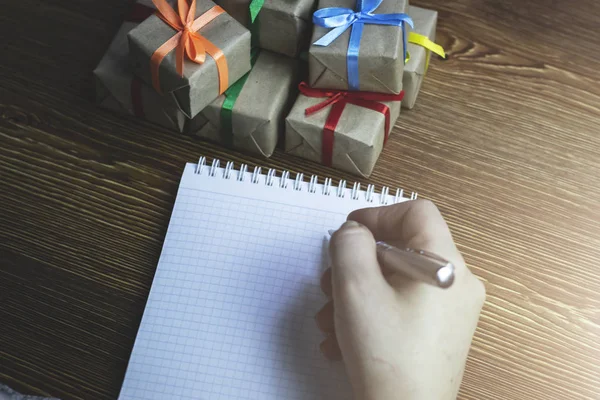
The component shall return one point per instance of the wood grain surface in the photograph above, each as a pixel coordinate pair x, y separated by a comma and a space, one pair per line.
505, 138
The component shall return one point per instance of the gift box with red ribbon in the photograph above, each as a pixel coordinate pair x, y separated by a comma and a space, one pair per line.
117, 88
194, 51
341, 129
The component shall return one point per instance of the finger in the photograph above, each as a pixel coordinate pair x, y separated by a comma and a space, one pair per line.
354, 261
416, 224
326, 283
325, 319
331, 349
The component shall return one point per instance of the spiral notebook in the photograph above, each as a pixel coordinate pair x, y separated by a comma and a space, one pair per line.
230, 314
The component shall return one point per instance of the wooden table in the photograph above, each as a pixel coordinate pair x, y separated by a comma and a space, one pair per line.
505, 139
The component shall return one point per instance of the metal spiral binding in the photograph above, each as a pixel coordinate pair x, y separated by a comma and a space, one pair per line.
327, 187
355, 191
370, 192
271, 176
312, 186
341, 192
200, 166
228, 168
256, 174
298, 182
242, 172
285, 176
213, 168
385, 191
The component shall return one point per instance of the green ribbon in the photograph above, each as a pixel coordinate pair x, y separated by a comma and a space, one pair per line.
255, 7
231, 96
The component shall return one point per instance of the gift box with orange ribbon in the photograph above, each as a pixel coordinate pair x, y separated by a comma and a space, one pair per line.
359, 45
341, 129
281, 26
250, 116
193, 51
117, 89
421, 45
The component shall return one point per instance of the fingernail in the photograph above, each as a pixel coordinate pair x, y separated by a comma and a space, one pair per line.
347, 224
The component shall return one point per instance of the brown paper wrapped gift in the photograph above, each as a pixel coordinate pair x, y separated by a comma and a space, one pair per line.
282, 26
258, 113
415, 69
117, 89
353, 142
201, 83
381, 55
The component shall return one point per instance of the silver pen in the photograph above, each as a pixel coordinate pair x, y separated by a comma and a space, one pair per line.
419, 265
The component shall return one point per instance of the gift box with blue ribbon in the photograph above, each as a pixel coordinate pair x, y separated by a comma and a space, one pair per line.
359, 45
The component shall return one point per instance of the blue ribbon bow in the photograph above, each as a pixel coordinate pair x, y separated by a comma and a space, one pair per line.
340, 19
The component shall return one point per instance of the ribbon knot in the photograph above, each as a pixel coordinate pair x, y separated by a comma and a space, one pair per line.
332, 98
340, 19
187, 40
338, 99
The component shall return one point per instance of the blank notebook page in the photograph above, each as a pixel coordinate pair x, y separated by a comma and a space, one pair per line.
231, 311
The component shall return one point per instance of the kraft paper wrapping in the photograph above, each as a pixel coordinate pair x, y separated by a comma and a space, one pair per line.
200, 84
259, 113
414, 71
284, 26
359, 135
381, 56
116, 89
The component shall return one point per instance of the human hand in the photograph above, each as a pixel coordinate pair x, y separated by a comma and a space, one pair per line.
399, 339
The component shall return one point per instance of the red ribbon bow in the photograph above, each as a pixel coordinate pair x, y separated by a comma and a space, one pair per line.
339, 99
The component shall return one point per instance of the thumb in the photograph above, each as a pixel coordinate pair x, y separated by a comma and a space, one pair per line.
354, 264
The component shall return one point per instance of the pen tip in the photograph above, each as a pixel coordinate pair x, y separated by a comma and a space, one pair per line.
445, 276
331, 232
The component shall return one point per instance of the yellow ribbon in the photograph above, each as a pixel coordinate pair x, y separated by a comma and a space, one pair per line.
428, 44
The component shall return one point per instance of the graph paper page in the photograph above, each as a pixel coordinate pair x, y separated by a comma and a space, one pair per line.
231, 311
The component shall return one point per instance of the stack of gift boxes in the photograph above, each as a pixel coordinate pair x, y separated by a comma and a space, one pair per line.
236, 72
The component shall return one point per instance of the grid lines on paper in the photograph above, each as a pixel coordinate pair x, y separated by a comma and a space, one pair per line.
230, 312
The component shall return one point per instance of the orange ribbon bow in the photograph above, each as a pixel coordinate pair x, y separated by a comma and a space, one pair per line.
187, 41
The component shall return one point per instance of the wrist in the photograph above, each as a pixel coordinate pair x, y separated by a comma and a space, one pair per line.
393, 387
